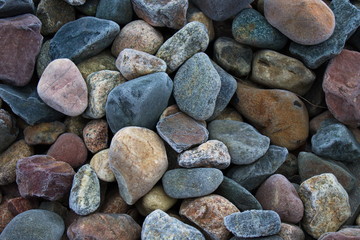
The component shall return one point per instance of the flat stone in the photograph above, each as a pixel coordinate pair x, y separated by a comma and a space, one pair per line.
100, 163
120, 12
8, 130
43, 133
291, 232
337, 236
20, 204
43, 59
194, 14
95, 135
16, 7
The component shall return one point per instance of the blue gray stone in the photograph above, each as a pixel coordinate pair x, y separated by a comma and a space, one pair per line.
347, 20
119, 11
138, 102
253, 223
83, 38
245, 143
189, 183
12, 8
89, 7
252, 175
34, 224
251, 28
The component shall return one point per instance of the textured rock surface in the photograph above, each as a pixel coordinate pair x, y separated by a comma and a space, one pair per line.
119, 11
43, 133
95, 135
20, 204
291, 232
8, 130
194, 14
16, 7
100, 163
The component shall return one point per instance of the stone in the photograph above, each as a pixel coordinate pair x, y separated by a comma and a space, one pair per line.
161, 226
171, 14
16, 7
358, 220
291, 232
104, 226
354, 195
138, 35
170, 110
337, 236
100, 163
43, 58
8, 130
342, 87
43, 176
290, 167
190, 39
19, 204
83, 38
273, 237
133, 63
69, 148
315, 99
253, 223
75, 125
189, 183
95, 135
113, 202
194, 14
21, 44
355, 37
89, 7
229, 113
35, 224
99, 86
315, 122
5, 215
277, 114
120, 12
245, 143
311, 165
181, 132
85, 191
75, 2
347, 20
251, 28
252, 175
326, 204
138, 102
278, 194
138, 160
62, 87
208, 214
275, 70
43, 133
55, 207
212, 153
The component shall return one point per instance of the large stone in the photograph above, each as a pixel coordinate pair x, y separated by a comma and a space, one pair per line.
119, 11
12, 8
8, 130
43, 133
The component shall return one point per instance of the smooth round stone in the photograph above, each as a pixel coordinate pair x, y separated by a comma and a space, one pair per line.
138, 35
8, 130
291, 232
275, 70
193, 14
100, 163
62, 87
229, 113
43, 58
95, 135
20, 204
188, 183
251, 28
133, 63
69, 148
299, 20
89, 7
120, 12
35, 224
75, 125
43, 133
16, 7
253, 223
75, 2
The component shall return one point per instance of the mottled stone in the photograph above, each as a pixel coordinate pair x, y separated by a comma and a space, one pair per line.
229, 113
75, 125
16, 7
273, 237
100, 163
119, 11
20, 204
43, 58
337, 236
291, 232
55, 207
5, 215
170, 110
89, 7
8, 130
290, 167
95, 135
43, 133
194, 14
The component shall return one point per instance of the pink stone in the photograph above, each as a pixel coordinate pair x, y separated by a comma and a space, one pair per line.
95, 135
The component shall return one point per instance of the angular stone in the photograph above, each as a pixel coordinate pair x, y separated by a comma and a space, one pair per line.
43, 133
95, 135
43, 59
20, 204
120, 12
291, 232
21, 44
16, 7
100, 163
8, 130
194, 14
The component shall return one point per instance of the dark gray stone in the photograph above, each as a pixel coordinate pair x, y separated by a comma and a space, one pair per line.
354, 195
8, 130
273, 237
138, 102
34, 225
245, 143
315, 97
83, 38
26, 103
119, 11
11, 8
347, 20
354, 40
89, 7
188, 183
252, 175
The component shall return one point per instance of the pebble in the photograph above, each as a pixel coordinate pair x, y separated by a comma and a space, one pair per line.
85, 191
105, 227
89, 7
190, 39
189, 183
83, 38
253, 223
42, 176
75, 2
95, 135
113, 202
62, 87
138, 160
326, 204
100, 163
43, 59
181, 132
159, 225
291, 232
35, 224
120, 12
194, 14
69, 148
229, 113
133, 63
19, 204
5, 215
19, 31
43, 133
290, 167
8, 130
342, 87
195, 75
75, 125
55, 207
252, 175
148, 99
16, 7
251, 28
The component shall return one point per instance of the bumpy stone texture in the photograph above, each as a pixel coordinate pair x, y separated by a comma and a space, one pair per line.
75, 125
278, 114
102, 61
253, 223
104, 226
190, 39
43, 176
138, 102
83, 38
75, 2
16, 7
21, 44
245, 143
119, 11
133, 63
43, 59
342, 87
159, 225
229, 113
194, 14
8, 130
138, 160
35, 224
95, 135
43, 133
100, 163
291, 232
326, 204
20, 204
85, 191
275, 70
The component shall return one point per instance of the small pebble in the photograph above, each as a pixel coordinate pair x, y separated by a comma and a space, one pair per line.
120, 12
113, 202
229, 113
43, 133
95, 135
8, 130
100, 163
194, 14
75, 125
291, 232
16, 7
20, 204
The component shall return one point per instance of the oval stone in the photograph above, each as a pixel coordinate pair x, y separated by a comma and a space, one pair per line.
95, 135
100, 163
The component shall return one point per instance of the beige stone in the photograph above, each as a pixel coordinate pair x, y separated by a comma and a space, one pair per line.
194, 14
100, 163
291, 232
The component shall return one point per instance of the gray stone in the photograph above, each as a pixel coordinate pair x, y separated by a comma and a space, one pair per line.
196, 87
119, 11
8, 130
273, 237
89, 7
43, 58
245, 143
354, 195
10, 8
75, 2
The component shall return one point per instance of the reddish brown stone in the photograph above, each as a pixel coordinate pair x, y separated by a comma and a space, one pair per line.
20, 204
317, 120
114, 203
337, 236
95, 135
291, 232
5, 215
8, 130
43, 133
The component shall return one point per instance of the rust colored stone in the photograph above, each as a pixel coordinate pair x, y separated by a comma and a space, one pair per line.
95, 135
114, 203
20, 204
43, 133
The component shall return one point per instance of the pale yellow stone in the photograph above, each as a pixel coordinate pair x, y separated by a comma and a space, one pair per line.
100, 163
